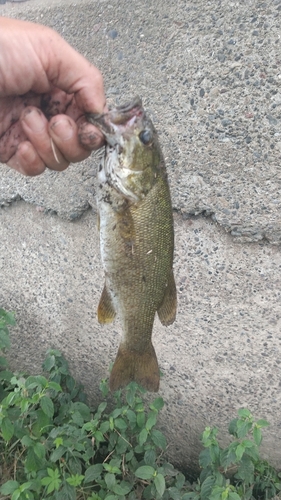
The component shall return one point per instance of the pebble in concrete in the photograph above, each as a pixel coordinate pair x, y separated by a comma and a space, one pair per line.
209, 75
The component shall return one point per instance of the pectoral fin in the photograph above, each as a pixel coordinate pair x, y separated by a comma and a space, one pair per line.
106, 311
168, 309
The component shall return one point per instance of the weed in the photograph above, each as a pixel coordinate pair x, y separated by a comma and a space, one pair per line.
53, 446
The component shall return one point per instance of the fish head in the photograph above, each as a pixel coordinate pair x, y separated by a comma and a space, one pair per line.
133, 155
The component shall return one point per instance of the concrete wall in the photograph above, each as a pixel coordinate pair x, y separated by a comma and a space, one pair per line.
209, 74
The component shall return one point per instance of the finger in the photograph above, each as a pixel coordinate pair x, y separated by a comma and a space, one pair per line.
26, 160
56, 102
10, 140
89, 136
35, 125
70, 71
64, 132
47, 60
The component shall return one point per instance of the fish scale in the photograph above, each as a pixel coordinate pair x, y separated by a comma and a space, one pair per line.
136, 241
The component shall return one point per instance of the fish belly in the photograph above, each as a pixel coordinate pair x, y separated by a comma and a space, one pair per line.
136, 243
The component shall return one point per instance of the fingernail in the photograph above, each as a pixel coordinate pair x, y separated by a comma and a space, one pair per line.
90, 137
62, 129
34, 119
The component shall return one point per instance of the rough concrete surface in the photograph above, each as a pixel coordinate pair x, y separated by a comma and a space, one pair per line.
209, 75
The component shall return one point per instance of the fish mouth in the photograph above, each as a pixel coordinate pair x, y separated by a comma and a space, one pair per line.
116, 120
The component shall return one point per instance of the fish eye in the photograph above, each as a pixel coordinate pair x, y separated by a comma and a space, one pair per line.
145, 136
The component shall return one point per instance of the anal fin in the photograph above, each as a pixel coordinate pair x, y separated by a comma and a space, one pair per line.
168, 308
106, 311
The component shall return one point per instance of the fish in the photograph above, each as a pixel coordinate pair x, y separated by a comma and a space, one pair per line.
136, 240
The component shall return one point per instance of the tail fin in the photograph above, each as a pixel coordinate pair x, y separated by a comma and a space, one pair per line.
135, 366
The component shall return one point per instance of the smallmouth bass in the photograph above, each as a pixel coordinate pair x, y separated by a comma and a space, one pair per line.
136, 240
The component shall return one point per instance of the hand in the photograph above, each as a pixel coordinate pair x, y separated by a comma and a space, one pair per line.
46, 87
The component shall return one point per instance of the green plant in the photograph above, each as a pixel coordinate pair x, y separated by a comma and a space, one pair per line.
237, 471
53, 446
61, 450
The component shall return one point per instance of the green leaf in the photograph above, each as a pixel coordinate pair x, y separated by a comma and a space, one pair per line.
67, 492
233, 496
160, 485
206, 487
247, 443
57, 453
41, 425
16, 495
7, 429
158, 439
39, 449
151, 421
192, 495
143, 437
145, 472
205, 458
47, 406
53, 480
93, 472
130, 455
75, 480
104, 427
244, 412
130, 393
232, 428
180, 480
243, 428
77, 418
122, 489
54, 386
246, 470
262, 423
116, 412
8, 317
58, 441
253, 453
4, 339
5, 374
49, 363
3, 360
98, 436
138, 449
120, 424
25, 486
131, 416
110, 480
102, 407
111, 468
83, 409
32, 463
227, 457
157, 404
141, 419
121, 446
70, 383
174, 493
9, 487
9, 400
240, 451
150, 457
35, 381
